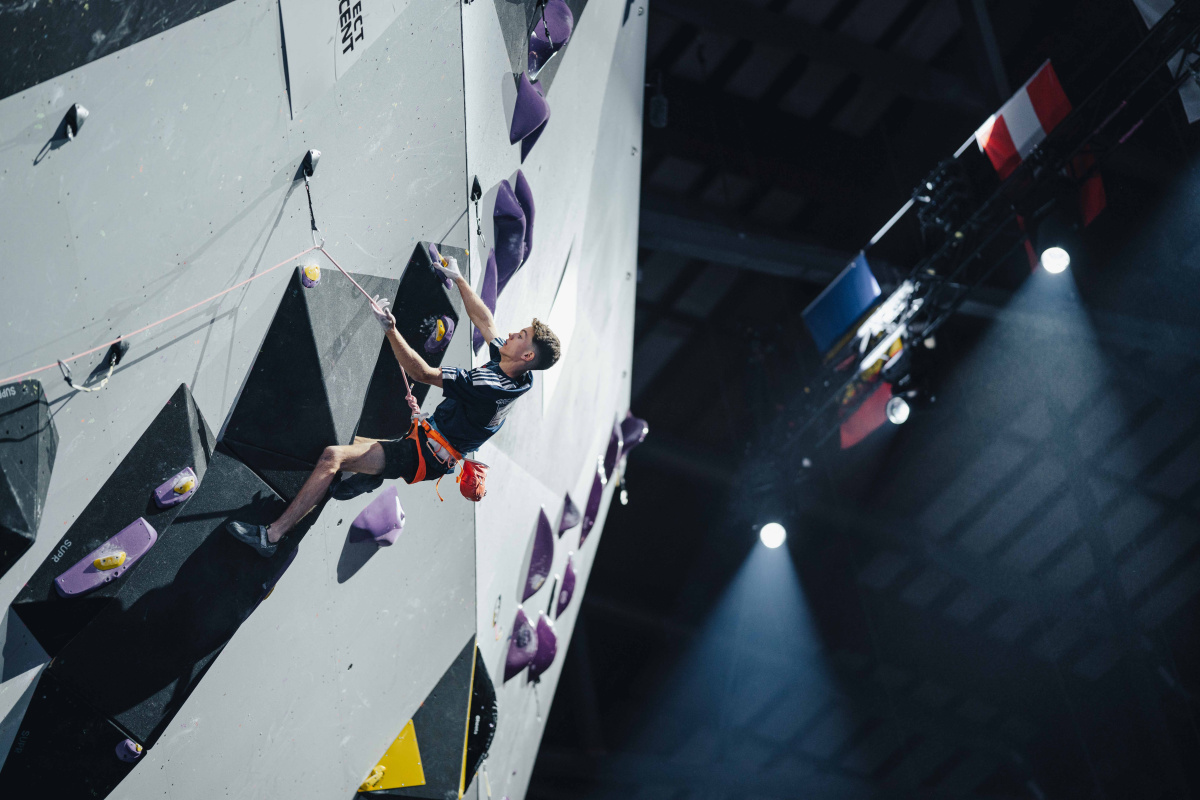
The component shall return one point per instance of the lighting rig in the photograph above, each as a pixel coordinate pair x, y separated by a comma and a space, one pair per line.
971, 233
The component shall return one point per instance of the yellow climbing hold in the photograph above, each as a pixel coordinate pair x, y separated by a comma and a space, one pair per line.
400, 765
372, 781
441, 330
185, 485
110, 561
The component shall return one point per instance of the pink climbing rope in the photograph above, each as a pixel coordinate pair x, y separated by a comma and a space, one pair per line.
412, 401
168, 318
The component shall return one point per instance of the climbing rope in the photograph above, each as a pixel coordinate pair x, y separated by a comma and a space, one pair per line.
412, 401
316, 231
64, 361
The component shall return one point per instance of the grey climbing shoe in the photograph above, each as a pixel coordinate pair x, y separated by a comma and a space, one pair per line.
355, 484
253, 535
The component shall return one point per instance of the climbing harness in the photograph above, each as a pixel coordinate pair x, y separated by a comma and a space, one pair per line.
471, 478
442, 450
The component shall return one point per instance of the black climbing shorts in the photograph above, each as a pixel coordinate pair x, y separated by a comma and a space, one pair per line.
400, 459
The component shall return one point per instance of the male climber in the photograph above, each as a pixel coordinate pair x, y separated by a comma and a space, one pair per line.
475, 405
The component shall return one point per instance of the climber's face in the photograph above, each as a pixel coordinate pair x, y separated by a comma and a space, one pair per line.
519, 346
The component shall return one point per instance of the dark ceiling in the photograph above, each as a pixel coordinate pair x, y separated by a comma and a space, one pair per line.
998, 599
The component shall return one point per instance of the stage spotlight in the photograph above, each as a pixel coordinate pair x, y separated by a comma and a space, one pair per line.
772, 534
898, 410
1055, 259
1057, 234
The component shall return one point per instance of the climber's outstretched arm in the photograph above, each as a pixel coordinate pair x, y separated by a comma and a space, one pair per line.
408, 359
480, 316
412, 363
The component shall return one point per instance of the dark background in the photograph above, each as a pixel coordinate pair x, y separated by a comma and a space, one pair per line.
995, 600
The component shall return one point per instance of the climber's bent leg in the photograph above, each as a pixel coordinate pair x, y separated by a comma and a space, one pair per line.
364, 457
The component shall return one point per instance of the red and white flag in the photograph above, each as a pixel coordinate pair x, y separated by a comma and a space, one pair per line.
1021, 124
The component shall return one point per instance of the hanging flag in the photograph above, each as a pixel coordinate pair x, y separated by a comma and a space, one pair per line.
869, 417
842, 303
1021, 124
1152, 11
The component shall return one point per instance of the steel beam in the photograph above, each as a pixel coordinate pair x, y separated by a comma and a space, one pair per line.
903, 75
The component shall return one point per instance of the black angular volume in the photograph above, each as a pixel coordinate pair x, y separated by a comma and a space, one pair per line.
144, 654
178, 437
28, 444
440, 726
421, 299
482, 721
305, 390
63, 748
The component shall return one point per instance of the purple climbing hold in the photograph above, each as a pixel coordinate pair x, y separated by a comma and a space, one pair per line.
566, 590
525, 197
549, 35
382, 520
547, 648
440, 336
109, 561
633, 432
592, 510
530, 116
129, 751
436, 259
570, 515
508, 225
541, 557
613, 454
487, 293
176, 489
522, 646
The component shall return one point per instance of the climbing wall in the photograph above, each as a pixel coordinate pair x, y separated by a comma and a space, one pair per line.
584, 177
293, 676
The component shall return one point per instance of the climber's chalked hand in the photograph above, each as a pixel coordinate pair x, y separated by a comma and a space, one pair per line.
379, 307
450, 270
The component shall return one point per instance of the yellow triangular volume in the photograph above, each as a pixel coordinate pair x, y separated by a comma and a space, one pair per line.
401, 763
